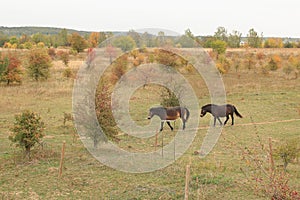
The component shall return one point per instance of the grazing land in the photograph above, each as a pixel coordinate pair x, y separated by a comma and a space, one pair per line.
269, 101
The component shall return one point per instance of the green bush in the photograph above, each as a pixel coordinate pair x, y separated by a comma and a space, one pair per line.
68, 73
168, 98
288, 151
272, 65
27, 130
219, 46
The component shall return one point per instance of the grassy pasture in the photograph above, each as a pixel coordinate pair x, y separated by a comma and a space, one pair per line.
270, 104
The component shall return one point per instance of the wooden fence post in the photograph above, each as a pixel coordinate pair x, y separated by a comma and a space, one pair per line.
62, 159
187, 181
271, 169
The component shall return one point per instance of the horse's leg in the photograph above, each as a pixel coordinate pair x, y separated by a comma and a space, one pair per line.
219, 121
227, 118
170, 125
232, 119
161, 125
183, 123
215, 118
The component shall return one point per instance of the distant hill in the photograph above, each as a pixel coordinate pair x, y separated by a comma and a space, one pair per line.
30, 30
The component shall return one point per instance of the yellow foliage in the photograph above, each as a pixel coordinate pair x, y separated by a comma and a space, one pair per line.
41, 45
277, 59
294, 61
220, 67
273, 43
94, 39
7, 45
136, 62
14, 46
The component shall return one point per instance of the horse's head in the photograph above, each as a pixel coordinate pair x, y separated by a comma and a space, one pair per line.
203, 112
150, 115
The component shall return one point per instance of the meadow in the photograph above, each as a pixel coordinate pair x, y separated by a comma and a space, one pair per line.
269, 102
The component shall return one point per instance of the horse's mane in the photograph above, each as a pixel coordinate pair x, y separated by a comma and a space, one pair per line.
207, 105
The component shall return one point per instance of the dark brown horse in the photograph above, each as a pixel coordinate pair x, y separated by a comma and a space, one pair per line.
220, 111
170, 114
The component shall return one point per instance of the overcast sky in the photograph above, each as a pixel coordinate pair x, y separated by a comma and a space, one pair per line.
270, 17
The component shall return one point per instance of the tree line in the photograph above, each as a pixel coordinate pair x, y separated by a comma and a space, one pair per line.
75, 40
78, 41
42, 48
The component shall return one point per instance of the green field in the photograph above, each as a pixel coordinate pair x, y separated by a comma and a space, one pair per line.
269, 103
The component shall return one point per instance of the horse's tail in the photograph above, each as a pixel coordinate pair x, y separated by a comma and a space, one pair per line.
186, 114
236, 112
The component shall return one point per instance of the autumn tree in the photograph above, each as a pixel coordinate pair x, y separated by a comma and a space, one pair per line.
94, 39
103, 36
14, 41
273, 43
104, 113
253, 39
25, 42
78, 43
119, 67
10, 69
24, 38
274, 62
64, 56
38, 64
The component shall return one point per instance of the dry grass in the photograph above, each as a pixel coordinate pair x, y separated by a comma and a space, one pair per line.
259, 98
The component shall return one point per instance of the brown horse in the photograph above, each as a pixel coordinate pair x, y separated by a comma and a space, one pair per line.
220, 111
170, 114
